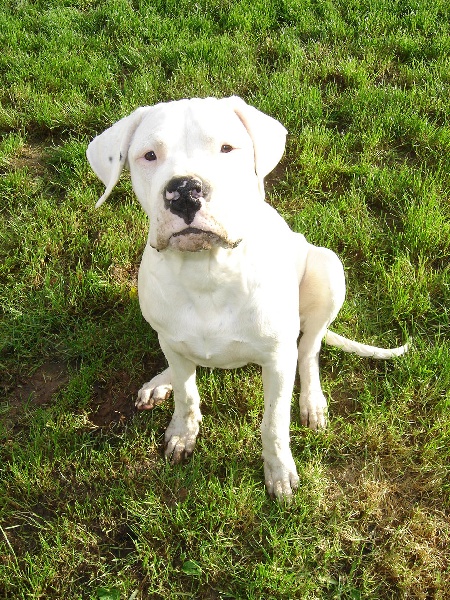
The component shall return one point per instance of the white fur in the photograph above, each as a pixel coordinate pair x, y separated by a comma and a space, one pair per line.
239, 287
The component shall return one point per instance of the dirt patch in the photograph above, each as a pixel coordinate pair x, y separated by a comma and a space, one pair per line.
30, 157
113, 401
37, 390
41, 386
126, 276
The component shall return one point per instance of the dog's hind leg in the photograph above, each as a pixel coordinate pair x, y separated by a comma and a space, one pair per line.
155, 391
322, 292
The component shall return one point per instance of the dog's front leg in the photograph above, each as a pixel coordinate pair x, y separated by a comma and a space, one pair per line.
183, 429
279, 467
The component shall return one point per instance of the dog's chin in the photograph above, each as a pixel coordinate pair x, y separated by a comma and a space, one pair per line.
193, 239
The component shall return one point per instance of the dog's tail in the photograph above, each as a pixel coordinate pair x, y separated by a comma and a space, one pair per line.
333, 339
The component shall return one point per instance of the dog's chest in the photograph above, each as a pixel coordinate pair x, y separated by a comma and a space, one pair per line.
215, 314
212, 332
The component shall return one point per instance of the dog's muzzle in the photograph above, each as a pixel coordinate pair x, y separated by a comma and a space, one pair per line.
183, 195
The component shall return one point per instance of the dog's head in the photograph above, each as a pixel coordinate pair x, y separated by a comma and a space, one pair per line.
197, 167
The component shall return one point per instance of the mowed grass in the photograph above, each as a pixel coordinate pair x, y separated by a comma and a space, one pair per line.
88, 506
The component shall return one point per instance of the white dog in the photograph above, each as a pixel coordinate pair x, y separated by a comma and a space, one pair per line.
223, 280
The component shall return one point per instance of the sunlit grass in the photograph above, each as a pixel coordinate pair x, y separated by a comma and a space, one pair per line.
89, 509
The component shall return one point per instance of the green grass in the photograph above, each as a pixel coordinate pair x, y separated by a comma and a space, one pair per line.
88, 507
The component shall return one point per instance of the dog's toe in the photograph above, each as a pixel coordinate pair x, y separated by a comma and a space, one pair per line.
281, 481
313, 411
315, 420
179, 448
154, 392
180, 439
144, 400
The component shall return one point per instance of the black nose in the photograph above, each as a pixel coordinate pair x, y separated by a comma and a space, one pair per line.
182, 197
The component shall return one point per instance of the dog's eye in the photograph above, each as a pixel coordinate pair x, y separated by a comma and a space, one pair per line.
150, 155
226, 148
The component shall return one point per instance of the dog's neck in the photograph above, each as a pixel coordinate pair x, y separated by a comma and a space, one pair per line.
206, 268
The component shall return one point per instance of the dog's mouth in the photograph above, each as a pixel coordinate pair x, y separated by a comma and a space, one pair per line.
193, 239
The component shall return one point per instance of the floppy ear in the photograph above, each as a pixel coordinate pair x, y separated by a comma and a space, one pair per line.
107, 153
268, 135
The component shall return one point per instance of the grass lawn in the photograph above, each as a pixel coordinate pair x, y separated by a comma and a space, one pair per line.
88, 507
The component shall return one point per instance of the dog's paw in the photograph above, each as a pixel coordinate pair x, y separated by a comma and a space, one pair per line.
313, 410
154, 392
281, 478
180, 439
